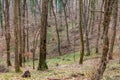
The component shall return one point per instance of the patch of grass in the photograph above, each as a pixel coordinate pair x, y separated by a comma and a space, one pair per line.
52, 72
63, 60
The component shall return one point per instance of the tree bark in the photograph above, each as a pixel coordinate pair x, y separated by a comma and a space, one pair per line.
107, 13
115, 17
81, 32
16, 24
20, 37
43, 34
1, 16
56, 26
7, 31
66, 22
85, 16
23, 29
98, 33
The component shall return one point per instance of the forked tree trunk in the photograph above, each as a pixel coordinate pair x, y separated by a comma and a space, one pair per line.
107, 13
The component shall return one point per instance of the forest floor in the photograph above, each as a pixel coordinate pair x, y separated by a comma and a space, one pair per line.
65, 68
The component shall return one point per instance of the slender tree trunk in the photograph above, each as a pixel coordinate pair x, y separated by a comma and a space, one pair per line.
33, 50
20, 37
27, 41
98, 33
115, 16
66, 22
1, 16
85, 16
7, 31
107, 13
73, 26
16, 24
56, 26
81, 32
43, 34
87, 42
92, 15
23, 30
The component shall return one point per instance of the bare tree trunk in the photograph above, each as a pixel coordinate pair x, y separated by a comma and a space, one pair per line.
87, 42
85, 16
23, 30
98, 33
7, 31
20, 37
43, 34
72, 16
56, 26
115, 16
27, 40
107, 13
81, 32
66, 22
1, 16
92, 15
16, 24
33, 50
